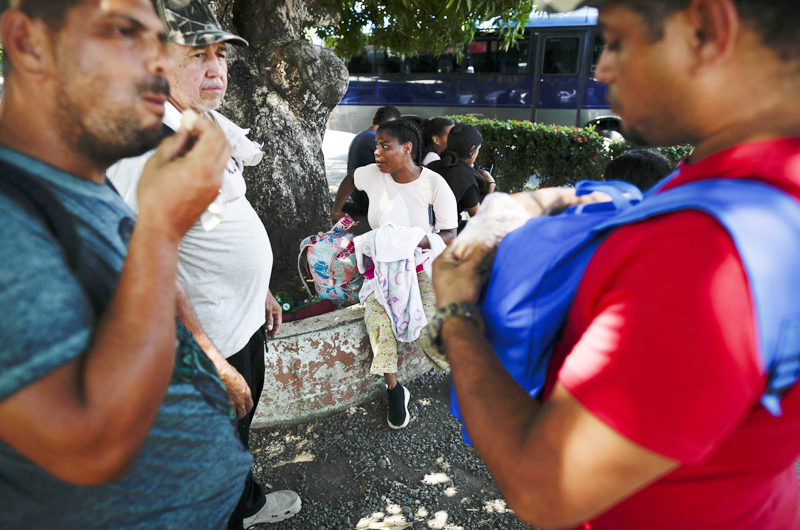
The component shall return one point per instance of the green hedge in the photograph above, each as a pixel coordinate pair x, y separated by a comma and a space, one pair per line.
557, 155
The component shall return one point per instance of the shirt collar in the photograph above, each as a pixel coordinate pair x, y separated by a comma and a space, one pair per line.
775, 161
172, 117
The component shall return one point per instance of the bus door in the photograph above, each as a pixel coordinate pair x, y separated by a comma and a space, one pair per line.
558, 78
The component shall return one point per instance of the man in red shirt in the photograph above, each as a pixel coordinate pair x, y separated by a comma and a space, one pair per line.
652, 417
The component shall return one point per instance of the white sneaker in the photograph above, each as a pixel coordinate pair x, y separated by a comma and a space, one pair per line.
280, 506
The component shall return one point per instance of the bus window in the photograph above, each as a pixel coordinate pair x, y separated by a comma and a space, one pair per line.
599, 45
512, 61
388, 62
476, 58
363, 63
561, 56
447, 61
488, 57
426, 63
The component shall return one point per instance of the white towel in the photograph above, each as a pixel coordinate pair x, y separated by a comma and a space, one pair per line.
393, 251
244, 152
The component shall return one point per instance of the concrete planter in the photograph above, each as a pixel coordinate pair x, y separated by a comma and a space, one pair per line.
320, 365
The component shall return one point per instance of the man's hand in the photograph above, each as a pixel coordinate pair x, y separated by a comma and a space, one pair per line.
458, 278
182, 178
238, 391
274, 316
337, 214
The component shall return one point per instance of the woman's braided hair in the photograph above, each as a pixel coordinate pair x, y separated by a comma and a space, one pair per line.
430, 128
405, 131
463, 137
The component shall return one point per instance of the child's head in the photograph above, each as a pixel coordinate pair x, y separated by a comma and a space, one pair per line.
640, 167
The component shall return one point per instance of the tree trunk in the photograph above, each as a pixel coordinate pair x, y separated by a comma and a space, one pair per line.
283, 88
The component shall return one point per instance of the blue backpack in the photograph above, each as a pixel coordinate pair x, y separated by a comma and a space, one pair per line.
538, 268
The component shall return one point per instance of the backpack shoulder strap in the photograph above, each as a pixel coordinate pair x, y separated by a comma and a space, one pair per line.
27, 190
764, 224
303, 253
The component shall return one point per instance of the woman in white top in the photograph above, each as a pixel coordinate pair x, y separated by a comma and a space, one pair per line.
434, 138
397, 177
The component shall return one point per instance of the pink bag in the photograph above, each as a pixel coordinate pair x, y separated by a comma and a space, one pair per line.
331, 260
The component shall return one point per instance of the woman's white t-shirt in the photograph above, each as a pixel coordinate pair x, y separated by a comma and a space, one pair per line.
430, 157
407, 204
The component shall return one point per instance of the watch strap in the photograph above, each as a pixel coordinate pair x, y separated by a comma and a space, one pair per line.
438, 355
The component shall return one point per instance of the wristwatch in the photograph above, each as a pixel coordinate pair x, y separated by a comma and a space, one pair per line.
458, 309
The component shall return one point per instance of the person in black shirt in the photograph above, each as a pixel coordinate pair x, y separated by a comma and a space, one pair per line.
456, 166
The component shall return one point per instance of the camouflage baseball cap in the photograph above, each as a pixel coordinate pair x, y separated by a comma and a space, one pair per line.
192, 23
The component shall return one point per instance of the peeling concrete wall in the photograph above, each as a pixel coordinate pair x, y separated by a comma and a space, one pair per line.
320, 366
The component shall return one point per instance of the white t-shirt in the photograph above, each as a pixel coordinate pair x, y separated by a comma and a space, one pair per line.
430, 157
407, 204
226, 271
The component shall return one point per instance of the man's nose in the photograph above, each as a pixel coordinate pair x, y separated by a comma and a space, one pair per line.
161, 61
603, 71
215, 67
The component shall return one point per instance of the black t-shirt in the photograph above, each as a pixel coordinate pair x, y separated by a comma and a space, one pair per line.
362, 150
467, 184
361, 154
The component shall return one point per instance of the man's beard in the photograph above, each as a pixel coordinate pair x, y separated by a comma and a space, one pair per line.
631, 134
635, 137
130, 141
117, 137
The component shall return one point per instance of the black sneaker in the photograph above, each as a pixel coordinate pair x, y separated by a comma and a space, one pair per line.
398, 415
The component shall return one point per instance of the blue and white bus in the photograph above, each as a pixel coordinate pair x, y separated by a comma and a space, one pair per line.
548, 78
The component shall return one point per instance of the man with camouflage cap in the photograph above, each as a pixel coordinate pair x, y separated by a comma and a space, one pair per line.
225, 259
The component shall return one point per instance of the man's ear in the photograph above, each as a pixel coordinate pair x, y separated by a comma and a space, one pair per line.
27, 43
716, 26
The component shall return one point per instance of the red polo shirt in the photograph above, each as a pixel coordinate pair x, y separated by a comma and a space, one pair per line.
660, 345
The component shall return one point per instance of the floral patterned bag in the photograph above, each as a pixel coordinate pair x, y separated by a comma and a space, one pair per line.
331, 260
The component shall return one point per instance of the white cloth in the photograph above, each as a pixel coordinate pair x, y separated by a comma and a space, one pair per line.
498, 214
430, 189
225, 272
432, 156
245, 153
394, 254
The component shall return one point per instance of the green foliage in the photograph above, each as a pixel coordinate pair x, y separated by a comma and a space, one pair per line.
556, 155
410, 26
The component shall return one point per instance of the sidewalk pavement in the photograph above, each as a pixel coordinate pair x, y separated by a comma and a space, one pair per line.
334, 149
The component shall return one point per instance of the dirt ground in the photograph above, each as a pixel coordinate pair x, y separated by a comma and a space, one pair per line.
352, 471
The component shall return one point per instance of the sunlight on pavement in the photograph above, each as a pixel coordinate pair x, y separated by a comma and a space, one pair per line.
495, 506
436, 478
